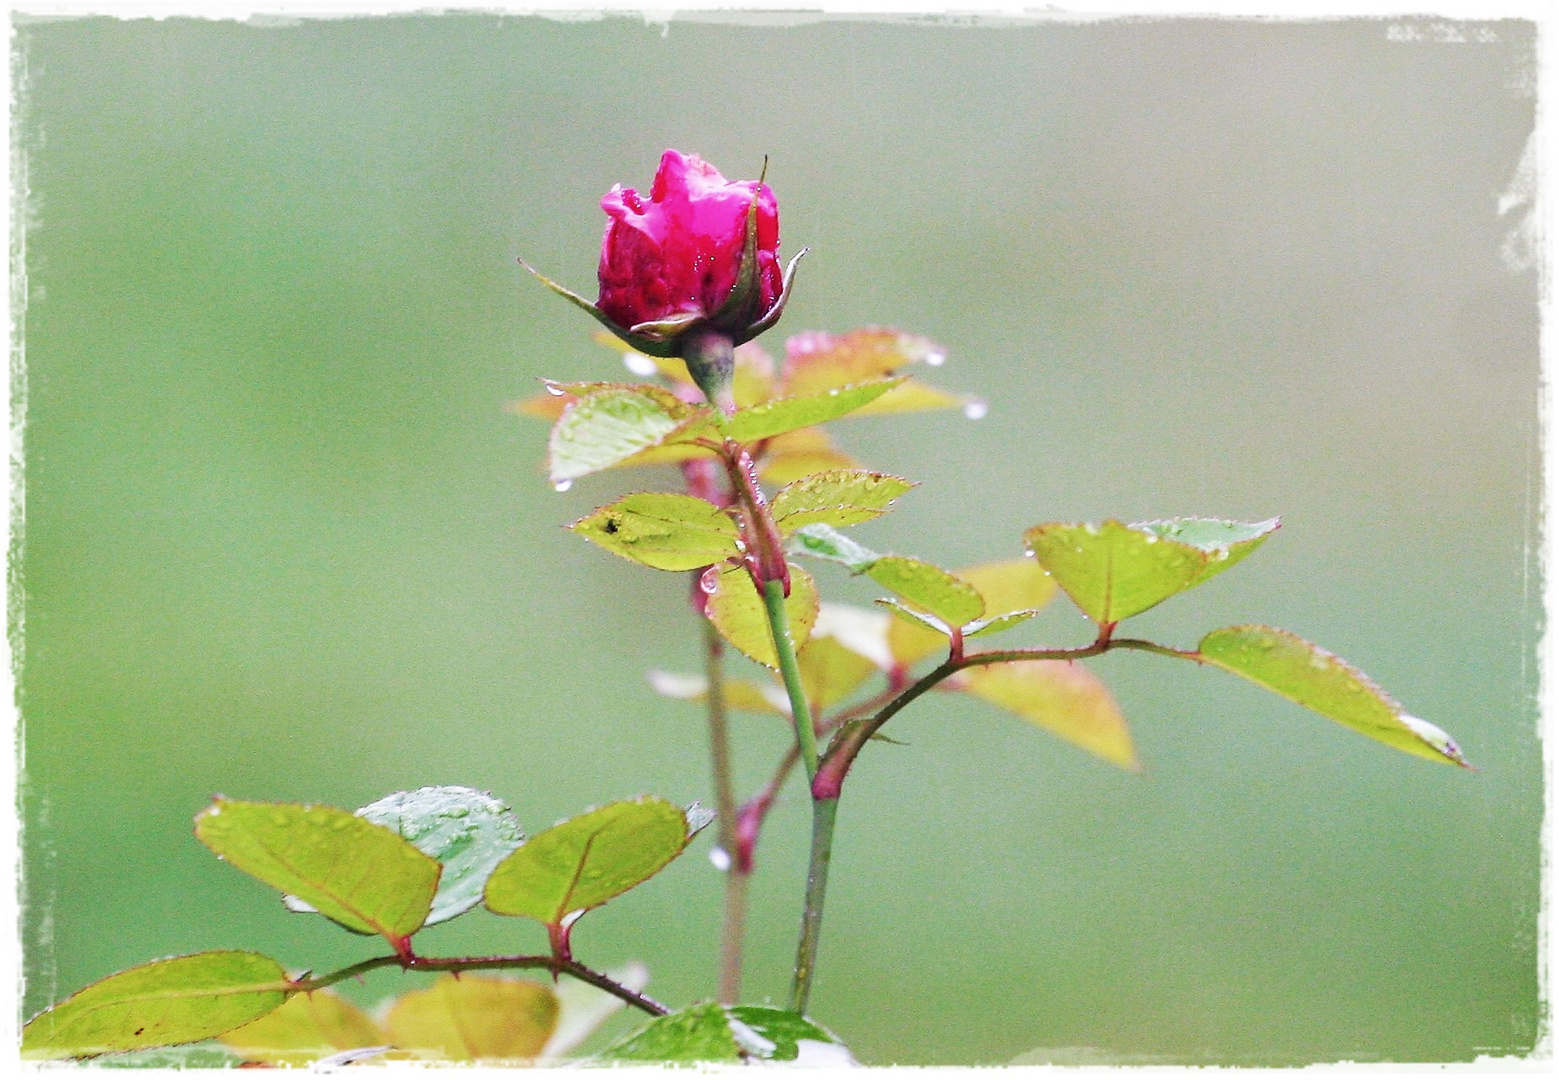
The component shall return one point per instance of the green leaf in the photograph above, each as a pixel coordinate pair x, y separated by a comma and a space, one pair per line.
663, 531
585, 861
998, 623
362, 875
927, 586
709, 1031
1304, 673
837, 497
953, 601
468, 831
609, 426
1225, 543
789, 413
698, 1033
1013, 590
1065, 699
738, 612
475, 1018
1113, 571
179, 1000
310, 1026
918, 620
792, 1036
823, 541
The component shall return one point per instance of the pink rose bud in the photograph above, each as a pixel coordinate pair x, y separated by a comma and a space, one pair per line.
674, 258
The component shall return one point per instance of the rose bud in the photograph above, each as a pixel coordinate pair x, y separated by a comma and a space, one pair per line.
693, 270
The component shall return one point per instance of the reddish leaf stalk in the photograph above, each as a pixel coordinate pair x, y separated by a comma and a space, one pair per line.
457, 964
765, 549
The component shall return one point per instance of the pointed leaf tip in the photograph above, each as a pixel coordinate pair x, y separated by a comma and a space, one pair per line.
1308, 675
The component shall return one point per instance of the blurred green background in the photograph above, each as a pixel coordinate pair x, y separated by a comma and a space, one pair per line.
283, 542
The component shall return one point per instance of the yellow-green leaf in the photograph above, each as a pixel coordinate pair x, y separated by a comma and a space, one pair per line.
780, 415
310, 1026
836, 497
738, 612
800, 453
606, 427
1011, 585
1304, 673
830, 672
912, 395
583, 862
475, 1018
663, 530
739, 693
1065, 699
179, 1000
949, 598
1113, 571
362, 875
816, 361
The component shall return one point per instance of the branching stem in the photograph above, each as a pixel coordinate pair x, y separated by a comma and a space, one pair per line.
480, 963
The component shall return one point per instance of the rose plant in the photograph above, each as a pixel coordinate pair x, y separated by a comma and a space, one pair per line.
688, 278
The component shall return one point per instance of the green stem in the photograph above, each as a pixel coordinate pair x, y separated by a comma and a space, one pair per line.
823, 814
735, 917
785, 651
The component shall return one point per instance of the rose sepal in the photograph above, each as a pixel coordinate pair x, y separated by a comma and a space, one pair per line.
774, 312
663, 347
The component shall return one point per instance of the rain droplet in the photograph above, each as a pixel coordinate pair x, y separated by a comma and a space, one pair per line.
554, 389
936, 359
721, 860
562, 485
639, 364
976, 410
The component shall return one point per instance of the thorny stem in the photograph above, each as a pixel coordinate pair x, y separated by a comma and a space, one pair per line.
851, 738
479, 963
735, 918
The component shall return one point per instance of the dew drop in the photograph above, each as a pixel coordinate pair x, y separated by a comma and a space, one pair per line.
639, 364
976, 410
721, 860
562, 485
554, 389
936, 359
